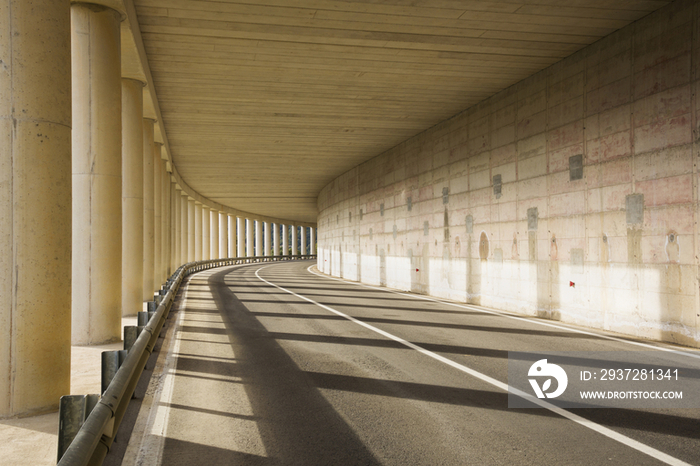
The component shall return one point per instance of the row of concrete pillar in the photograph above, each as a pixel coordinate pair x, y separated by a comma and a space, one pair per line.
93, 222
203, 233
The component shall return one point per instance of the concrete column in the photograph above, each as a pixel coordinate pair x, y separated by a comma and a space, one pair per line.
214, 241
132, 196
240, 227
276, 239
231, 235
312, 232
303, 241
191, 230
197, 231
266, 238
157, 219
165, 219
35, 206
206, 237
285, 240
148, 214
96, 165
223, 236
174, 227
258, 239
184, 241
249, 237
295, 241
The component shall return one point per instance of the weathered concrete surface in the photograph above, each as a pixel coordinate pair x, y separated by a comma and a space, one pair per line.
191, 235
232, 235
206, 236
214, 230
594, 220
240, 238
183, 239
148, 212
166, 219
132, 196
157, 218
35, 206
96, 168
223, 235
197, 231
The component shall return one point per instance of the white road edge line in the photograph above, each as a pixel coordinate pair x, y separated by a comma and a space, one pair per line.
510, 316
153, 441
646, 449
152, 445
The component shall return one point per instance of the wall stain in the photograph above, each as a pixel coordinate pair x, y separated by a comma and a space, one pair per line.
555, 298
447, 226
382, 268
634, 245
673, 251
604, 250
483, 246
473, 275
447, 265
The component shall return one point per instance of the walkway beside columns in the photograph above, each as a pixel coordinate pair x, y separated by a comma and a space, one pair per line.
33, 440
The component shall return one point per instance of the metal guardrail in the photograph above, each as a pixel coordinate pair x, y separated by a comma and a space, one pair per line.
94, 439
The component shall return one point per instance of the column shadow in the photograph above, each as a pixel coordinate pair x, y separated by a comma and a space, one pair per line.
297, 425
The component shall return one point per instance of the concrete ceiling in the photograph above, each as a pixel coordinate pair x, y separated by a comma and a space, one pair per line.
265, 102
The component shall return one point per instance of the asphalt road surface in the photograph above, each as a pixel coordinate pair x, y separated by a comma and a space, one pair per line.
271, 364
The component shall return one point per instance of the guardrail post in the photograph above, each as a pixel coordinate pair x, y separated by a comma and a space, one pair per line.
111, 362
131, 333
72, 412
142, 318
121, 371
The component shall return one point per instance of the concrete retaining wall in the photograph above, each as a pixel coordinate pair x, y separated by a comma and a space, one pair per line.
572, 195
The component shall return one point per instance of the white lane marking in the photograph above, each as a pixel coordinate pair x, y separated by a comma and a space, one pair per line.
511, 316
153, 442
646, 449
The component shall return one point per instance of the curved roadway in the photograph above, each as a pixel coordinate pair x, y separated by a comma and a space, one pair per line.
271, 364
